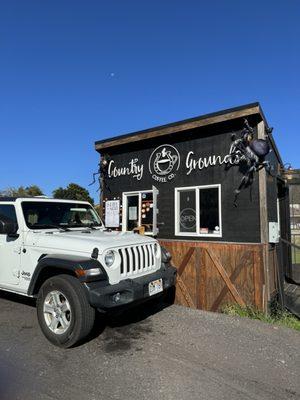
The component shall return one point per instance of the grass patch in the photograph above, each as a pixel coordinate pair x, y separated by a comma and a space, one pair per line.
295, 256
276, 317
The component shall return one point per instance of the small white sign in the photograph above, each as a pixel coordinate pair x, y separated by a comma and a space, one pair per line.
132, 213
112, 213
274, 233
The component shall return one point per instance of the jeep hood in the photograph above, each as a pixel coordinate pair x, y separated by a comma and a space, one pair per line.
84, 241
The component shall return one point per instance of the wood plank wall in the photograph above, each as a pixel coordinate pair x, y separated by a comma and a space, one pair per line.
273, 270
211, 275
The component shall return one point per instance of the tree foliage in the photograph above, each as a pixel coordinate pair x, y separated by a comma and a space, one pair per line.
72, 192
98, 209
21, 191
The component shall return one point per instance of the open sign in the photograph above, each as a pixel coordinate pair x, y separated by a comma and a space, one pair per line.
188, 218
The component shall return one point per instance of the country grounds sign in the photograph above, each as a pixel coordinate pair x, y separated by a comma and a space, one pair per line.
165, 161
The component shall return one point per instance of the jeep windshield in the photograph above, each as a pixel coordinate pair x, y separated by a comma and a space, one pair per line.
51, 215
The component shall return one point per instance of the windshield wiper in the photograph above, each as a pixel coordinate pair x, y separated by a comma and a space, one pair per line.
62, 228
50, 226
93, 225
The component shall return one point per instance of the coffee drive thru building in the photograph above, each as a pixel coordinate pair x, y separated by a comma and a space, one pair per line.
211, 190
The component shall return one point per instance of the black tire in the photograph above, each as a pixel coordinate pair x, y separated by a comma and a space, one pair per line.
81, 317
169, 295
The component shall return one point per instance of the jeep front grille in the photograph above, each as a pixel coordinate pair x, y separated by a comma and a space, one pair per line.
137, 259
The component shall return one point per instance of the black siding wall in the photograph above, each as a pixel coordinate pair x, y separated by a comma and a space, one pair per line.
239, 224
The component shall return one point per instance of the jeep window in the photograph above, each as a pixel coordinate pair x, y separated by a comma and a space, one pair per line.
8, 211
45, 215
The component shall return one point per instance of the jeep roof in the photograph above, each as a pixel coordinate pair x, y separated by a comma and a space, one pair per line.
38, 198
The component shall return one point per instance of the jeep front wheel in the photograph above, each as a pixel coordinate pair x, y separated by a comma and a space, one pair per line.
63, 311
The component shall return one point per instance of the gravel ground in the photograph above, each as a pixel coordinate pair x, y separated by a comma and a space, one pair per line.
170, 353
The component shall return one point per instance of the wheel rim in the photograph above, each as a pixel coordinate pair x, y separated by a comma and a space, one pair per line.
57, 312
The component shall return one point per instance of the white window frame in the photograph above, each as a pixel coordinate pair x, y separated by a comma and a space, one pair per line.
197, 194
124, 208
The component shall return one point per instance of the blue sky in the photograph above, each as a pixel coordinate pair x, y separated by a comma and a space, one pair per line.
72, 72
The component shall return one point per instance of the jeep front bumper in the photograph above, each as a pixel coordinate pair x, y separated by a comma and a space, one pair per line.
104, 296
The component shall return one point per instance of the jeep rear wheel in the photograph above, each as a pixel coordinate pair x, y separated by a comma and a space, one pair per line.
64, 314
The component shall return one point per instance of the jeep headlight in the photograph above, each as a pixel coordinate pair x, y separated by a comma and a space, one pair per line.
109, 258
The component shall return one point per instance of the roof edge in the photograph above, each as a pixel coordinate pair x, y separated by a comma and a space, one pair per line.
182, 125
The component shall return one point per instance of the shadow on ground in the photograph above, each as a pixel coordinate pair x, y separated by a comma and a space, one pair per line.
17, 298
119, 330
123, 330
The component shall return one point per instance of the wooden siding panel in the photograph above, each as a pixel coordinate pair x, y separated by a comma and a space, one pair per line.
211, 275
258, 279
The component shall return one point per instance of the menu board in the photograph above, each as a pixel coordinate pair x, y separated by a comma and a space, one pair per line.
112, 213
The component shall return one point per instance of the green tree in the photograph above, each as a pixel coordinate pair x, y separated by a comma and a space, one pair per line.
21, 191
73, 192
34, 190
98, 209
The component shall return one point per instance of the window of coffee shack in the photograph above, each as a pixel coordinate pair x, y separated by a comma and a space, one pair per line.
198, 211
139, 210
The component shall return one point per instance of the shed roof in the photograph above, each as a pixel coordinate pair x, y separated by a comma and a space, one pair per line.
180, 126
229, 114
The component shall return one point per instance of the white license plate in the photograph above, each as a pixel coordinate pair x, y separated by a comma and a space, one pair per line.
155, 287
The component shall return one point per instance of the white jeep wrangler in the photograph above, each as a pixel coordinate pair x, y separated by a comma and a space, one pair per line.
59, 252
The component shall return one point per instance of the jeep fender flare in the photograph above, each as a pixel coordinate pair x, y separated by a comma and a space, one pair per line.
62, 263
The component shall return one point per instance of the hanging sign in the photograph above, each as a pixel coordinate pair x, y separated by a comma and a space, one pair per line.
112, 213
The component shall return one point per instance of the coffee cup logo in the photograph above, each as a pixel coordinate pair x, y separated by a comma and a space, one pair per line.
164, 162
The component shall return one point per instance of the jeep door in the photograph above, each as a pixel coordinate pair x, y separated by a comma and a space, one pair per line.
10, 251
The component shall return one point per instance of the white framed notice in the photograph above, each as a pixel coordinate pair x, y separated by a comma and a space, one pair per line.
112, 213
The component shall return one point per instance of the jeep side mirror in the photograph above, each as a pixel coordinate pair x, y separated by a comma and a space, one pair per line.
8, 226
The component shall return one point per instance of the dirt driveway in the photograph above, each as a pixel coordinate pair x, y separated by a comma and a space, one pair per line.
174, 353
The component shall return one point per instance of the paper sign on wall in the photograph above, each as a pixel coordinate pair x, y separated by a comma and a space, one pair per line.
132, 211
112, 213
